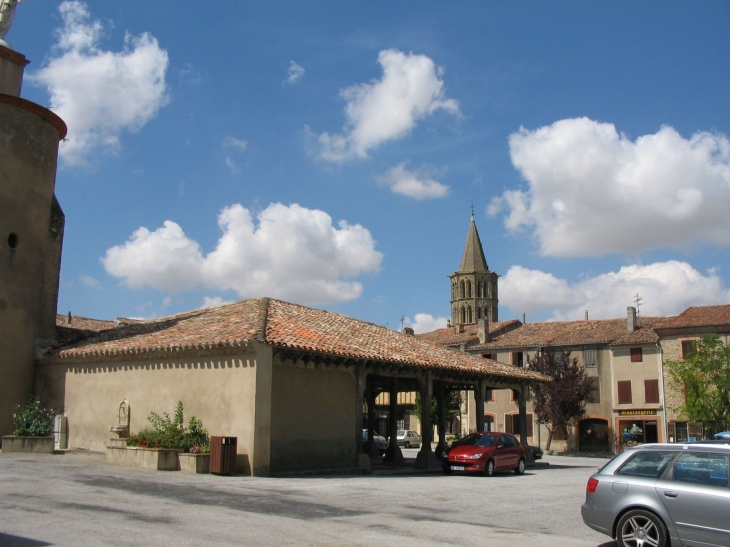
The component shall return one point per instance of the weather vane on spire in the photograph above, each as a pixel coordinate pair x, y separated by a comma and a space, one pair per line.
472, 208
7, 11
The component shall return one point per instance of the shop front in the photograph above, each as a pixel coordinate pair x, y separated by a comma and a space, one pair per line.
638, 427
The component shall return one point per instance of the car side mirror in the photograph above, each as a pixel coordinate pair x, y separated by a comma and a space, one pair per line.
500, 446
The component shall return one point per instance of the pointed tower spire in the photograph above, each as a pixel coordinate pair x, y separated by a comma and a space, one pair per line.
473, 257
473, 286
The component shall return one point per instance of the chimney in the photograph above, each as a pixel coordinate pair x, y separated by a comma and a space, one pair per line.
448, 323
524, 318
483, 330
68, 318
631, 318
459, 328
409, 331
586, 315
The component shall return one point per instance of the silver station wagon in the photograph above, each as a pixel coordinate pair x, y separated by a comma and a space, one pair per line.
660, 495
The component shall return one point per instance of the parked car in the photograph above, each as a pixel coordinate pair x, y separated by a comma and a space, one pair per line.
536, 452
380, 443
662, 494
408, 439
484, 453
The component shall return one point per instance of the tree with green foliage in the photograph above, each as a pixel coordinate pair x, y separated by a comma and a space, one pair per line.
704, 379
559, 402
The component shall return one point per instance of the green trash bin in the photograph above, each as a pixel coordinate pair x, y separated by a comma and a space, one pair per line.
223, 455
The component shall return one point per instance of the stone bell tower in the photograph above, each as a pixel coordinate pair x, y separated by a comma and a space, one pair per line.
473, 286
31, 228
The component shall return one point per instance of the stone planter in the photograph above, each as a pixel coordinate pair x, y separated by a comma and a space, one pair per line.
194, 463
35, 445
161, 459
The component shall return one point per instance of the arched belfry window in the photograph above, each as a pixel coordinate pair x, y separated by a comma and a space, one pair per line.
461, 287
463, 315
469, 315
468, 289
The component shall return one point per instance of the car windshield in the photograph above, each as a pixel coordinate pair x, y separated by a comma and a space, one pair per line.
401, 433
477, 439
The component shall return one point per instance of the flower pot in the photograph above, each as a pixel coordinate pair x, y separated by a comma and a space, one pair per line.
34, 445
194, 463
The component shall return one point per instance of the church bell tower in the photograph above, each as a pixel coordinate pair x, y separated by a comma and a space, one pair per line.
473, 286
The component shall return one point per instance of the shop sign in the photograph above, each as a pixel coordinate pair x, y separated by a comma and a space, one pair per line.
637, 412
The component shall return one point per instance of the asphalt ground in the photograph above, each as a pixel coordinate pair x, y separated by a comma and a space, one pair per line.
77, 499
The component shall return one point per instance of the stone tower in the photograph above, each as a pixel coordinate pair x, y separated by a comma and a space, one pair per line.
31, 233
473, 286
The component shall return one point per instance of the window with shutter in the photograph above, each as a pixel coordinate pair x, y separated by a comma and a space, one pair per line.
688, 348
590, 356
651, 391
637, 355
624, 392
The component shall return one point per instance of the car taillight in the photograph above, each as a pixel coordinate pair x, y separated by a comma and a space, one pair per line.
592, 485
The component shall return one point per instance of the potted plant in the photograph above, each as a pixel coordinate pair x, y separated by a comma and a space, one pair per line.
32, 429
168, 444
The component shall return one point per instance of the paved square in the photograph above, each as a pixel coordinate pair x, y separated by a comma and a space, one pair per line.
78, 499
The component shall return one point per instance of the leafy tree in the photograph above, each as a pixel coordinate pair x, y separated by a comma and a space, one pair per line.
558, 402
704, 377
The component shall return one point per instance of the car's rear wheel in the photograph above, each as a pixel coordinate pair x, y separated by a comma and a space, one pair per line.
447, 470
489, 468
639, 528
520, 469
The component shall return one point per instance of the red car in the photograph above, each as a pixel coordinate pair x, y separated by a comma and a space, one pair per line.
485, 453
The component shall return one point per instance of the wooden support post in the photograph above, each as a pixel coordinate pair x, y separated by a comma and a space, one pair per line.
370, 396
362, 461
426, 459
479, 393
441, 396
523, 423
393, 454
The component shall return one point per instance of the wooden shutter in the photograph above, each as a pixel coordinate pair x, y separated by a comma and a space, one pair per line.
624, 392
636, 355
651, 391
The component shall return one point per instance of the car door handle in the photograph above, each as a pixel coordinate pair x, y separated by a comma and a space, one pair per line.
671, 493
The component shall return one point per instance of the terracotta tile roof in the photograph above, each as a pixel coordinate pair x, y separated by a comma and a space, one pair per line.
449, 337
700, 316
84, 323
560, 333
281, 324
644, 334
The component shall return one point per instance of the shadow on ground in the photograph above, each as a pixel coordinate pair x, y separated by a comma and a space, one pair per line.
17, 541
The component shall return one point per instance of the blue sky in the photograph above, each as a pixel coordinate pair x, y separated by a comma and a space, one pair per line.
328, 153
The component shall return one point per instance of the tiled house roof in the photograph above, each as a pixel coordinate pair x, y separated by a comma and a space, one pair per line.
84, 323
449, 337
560, 333
279, 324
700, 316
644, 334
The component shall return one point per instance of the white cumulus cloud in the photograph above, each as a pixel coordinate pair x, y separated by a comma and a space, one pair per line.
294, 73
387, 109
425, 322
101, 93
213, 302
666, 288
418, 184
286, 252
592, 190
